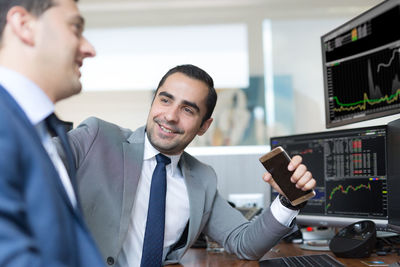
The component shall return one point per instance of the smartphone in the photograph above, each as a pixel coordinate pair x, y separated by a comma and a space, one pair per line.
276, 163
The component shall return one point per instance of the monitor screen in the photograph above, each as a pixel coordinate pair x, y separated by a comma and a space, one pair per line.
350, 169
361, 66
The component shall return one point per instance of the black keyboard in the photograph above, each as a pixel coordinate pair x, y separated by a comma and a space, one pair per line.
320, 260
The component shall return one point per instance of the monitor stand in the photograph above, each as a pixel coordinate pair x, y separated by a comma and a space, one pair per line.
317, 239
316, 245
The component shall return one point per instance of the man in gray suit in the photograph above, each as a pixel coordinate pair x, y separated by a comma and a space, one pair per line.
115, 166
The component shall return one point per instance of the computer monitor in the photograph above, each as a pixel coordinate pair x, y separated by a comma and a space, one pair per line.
394, 175
361, 66
351, 173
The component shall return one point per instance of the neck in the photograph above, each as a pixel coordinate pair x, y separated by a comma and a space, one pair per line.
29, 73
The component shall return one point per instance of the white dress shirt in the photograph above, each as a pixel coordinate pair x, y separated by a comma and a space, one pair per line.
37, 107
177, 208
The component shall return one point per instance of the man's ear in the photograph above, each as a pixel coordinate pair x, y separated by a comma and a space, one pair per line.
204, 127
21, 23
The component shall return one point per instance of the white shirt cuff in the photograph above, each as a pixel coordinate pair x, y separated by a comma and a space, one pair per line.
282, 214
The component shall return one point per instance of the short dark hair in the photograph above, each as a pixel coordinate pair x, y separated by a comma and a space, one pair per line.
36, 7
198, 74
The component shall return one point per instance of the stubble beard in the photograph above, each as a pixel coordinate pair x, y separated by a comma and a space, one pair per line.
162, 143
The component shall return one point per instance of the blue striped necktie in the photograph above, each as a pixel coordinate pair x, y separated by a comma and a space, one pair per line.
154, 235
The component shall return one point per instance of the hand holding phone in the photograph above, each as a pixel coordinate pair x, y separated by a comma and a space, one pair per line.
276, 163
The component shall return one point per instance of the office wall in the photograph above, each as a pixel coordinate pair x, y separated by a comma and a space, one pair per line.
128, 109
297, 54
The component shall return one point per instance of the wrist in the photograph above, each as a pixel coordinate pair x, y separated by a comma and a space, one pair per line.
286, 203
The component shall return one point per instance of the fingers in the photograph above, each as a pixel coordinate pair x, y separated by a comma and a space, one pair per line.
295, 162
303, 178
298, 173
306, 182
309, 185
267, 177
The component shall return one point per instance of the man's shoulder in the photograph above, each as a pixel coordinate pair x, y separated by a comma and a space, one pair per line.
94, 122
5, 113
201, 172
99, 126
12, 116
10, 127
8, 108
195, 164
192, 160
15, 132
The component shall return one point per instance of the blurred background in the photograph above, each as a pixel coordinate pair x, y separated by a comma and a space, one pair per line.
264, 56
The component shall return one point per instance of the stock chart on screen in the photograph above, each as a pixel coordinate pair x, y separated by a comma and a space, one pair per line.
350, 170
361, 62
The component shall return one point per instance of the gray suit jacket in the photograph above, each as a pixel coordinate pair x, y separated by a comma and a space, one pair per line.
109, 162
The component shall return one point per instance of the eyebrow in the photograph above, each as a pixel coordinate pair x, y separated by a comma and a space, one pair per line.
78, 19
188, 103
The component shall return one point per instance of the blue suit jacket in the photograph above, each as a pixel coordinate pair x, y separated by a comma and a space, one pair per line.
38, 225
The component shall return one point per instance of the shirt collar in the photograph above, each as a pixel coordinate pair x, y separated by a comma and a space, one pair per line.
33, 101
150, 152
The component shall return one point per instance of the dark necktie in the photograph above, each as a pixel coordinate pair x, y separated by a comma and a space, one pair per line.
154, 235
56, 127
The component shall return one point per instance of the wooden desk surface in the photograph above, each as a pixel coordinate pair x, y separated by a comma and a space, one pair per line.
200, 257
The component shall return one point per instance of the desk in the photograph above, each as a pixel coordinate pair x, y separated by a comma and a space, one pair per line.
200, 257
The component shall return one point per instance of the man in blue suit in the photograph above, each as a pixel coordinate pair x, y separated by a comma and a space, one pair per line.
41, 52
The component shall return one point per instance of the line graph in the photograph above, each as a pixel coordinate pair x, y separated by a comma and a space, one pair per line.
364, 85
346, 191
362, 104
390, 61
354, 195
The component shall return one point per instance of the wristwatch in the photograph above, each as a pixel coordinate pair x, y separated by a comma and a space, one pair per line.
286, 203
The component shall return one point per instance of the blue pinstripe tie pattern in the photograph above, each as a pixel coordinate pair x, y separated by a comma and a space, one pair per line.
154, 234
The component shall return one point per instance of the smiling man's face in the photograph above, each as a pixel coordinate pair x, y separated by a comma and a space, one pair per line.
176, 114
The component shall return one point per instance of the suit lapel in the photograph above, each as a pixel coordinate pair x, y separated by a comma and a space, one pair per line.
196, 198
133, 161
17, 109
20, 114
